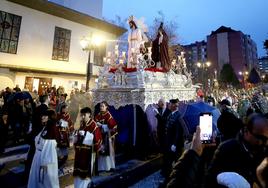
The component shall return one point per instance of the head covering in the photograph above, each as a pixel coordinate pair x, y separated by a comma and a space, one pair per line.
48, 112
225, 102
173, 101
132, 21
232, 180
64, 95
85, 110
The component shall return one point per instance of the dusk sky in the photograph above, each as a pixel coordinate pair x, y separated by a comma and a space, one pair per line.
197, 18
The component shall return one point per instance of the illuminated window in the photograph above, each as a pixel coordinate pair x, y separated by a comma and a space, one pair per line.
9, 32
61, 45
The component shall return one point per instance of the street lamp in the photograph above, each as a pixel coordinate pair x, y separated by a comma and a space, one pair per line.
244, 75
89, 44
203, 66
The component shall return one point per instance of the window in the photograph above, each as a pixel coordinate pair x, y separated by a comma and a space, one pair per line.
61, 45
99, 53
9, 32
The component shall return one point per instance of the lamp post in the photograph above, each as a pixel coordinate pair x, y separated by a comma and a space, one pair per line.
89, 44
244, 75
203, 66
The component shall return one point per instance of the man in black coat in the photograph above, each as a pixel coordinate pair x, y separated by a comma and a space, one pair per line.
162, 114
37, 113
242, 154
228, 123
174, 138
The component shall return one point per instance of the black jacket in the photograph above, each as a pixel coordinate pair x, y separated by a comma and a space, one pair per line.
37, 125
229, 125
161, 126
185, 171
175, 130
232, 156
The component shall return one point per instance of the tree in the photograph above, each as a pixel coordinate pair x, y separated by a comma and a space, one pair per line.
121, 22
228, 76
171, 27
254, 77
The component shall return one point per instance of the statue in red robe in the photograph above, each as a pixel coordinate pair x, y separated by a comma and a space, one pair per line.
160, 49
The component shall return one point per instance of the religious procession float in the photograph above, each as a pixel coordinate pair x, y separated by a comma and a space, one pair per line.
131, 81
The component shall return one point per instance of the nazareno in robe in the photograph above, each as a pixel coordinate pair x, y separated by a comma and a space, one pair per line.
106, 159
63, 132
87, 142
45, 156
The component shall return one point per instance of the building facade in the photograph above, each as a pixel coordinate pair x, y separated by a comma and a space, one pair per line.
263, 65
40, 45
226, 45
194, 53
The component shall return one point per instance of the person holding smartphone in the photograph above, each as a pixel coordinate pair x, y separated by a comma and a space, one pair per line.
185, 172
242, 154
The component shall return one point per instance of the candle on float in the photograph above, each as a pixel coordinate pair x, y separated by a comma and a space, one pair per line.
173, 62
116, 47
109, 61
149, 49
104, 59
123, 54
109, 54
132, 50
121, 61
116, 52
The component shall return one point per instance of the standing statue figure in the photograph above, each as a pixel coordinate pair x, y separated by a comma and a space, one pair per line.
135, 41
160, 49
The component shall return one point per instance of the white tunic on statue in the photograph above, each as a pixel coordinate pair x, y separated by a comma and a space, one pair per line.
45, 155
134, 42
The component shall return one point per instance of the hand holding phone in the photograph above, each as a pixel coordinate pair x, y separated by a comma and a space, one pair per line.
205, 123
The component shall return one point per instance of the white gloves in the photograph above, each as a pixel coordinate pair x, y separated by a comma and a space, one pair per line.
81, 133
30, 128
155, 111
105, 128
63, 123
173, 148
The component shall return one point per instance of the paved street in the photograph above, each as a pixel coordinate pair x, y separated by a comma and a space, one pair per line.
128, 172
152, 181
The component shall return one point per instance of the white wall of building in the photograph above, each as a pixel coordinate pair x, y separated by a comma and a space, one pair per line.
36, 43
89, 7
58, 80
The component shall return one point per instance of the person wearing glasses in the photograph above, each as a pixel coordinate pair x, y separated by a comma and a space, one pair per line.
242, 154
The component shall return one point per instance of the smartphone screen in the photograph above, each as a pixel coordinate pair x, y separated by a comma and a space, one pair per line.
205, 123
